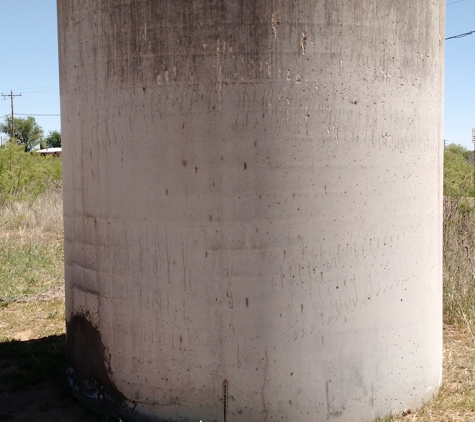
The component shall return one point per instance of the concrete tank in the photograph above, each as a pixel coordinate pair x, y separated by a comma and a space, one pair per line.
252, 198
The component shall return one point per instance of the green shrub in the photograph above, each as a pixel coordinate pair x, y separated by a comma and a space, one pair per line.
458, 172
24, 176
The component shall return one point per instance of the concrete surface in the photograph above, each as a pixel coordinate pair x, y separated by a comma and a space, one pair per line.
252, 197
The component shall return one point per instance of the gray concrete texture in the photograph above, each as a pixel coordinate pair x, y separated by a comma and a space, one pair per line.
252, 198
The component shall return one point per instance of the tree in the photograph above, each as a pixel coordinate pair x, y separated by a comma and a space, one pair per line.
458, 172
53, 139
28, 133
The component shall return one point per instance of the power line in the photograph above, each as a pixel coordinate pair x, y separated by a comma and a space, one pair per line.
460, 36
33, 115
457, 1
28, 114
30, 104
42, 89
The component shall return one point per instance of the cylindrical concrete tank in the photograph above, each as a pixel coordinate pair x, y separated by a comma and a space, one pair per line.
252, 197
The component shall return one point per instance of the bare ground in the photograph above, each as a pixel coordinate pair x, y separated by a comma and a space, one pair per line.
32, 363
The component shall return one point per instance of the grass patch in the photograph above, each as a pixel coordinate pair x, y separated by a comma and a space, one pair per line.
31, 247
459, 263
29, 266
456, 398
33, 319
38, 216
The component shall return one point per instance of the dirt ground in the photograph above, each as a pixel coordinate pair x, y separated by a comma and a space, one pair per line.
33, 386
44, 402
33, 363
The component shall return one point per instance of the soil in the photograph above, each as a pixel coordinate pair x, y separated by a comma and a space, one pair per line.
42, 403
33, 384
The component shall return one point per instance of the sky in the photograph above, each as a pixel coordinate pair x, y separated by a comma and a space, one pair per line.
29, 65
459, 102
29, 61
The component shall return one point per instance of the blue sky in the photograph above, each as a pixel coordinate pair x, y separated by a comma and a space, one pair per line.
459, 100
29, 65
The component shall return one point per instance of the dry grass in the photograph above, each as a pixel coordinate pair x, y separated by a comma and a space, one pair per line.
31, 247
32, 320
459, 263
43, 216
456, 399
32, 315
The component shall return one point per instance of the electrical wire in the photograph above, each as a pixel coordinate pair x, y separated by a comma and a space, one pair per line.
27, 114
54, 102
457, 1
39, 90
460, 35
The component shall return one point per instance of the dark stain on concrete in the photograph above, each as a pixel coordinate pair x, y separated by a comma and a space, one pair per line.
88, 369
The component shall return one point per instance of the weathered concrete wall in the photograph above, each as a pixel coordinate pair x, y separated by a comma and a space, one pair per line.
252, 200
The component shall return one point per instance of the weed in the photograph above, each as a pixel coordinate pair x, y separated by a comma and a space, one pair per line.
23, 177
459, 263
29, 266
52, 315
42, 215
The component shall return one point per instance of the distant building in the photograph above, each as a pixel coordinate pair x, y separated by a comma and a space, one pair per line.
55, 152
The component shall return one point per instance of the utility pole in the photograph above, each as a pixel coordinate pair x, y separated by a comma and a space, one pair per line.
12, 95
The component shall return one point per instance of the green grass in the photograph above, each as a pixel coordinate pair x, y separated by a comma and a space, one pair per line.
29, 266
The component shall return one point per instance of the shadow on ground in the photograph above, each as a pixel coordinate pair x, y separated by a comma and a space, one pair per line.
33, 383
